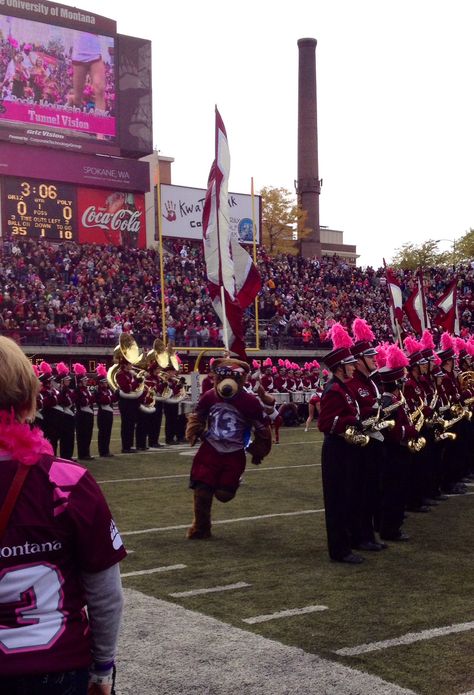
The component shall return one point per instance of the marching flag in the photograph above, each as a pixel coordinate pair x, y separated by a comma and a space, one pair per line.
396, 303
446, 316
415, 307
233, 279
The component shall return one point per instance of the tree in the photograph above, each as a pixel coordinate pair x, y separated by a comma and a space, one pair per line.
464, 247
281, 218
411, 256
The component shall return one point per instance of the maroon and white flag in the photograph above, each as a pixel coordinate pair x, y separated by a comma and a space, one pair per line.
396, 302
446, 316
229, 268
415, 307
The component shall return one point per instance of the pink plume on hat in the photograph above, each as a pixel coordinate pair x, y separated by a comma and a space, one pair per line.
287, 364
315, 364
45, 368
427, 340
274, 370
101, 371
362, 330
295, 366
447, 341
79, 369
256, 364
395, 357
381, 356
211, 361
62, 369
325, 372
470, 345
340, 338
268, 362
35, 369
281, 363
411, 345
460, 345
437, 359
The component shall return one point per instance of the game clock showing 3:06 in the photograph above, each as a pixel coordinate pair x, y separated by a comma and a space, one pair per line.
39, 209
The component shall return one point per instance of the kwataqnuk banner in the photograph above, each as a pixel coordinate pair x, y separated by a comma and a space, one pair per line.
182, 207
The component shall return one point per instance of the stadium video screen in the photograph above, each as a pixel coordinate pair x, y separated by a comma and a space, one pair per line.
58, 85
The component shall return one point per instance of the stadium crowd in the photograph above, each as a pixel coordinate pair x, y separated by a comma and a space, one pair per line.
74, 294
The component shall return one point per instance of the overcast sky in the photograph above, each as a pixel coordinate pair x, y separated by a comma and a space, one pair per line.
395, 104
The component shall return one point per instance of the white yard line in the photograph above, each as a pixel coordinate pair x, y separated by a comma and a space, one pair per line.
169, 568
210, 590
186, 475
283, 614
409, 638
222, 521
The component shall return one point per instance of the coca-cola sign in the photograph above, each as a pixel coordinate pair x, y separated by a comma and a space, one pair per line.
111, 217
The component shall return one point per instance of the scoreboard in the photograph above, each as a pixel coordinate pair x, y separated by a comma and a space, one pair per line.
38, 209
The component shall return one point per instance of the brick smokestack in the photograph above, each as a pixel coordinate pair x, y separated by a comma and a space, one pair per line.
308, 185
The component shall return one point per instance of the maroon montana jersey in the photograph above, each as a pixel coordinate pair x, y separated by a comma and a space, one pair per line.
60, 527
230, 420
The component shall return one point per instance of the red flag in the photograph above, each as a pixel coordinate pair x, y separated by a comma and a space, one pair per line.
229, 268
415, 307
446, 316
396, 302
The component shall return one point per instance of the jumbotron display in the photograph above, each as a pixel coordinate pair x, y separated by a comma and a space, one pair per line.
62, 75
39, 209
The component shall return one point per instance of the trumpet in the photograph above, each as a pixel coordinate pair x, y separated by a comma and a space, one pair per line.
416, 445
442, 436
353, 436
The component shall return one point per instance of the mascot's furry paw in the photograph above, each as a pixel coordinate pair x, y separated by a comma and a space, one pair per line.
261, 445
194, 429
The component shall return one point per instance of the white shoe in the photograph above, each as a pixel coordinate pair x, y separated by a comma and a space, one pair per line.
305, 429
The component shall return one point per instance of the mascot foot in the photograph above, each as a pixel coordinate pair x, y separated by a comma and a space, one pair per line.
197, 534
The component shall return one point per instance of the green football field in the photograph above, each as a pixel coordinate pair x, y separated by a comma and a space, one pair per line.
404, 615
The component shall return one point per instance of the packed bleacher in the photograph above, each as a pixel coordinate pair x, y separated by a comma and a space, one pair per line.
70, 294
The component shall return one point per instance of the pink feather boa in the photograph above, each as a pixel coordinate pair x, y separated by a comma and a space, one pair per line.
24, 444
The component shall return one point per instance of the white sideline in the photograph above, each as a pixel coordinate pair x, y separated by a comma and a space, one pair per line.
409, 638
165, 648
222, 521
283, 614
186, 475
210, 590
168, 568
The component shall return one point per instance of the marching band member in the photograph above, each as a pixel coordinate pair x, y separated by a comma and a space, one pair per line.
39, 421
414, 393
154, 424
66, 401
84, 413
49, 397
267, 377
368, 460
338, 413
130, 388
105, 397
456, 456
146, 413
399, 441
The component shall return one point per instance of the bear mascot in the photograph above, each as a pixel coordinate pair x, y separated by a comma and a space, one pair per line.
224, 419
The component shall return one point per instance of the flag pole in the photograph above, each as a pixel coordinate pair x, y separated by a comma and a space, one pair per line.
395, 325
160, 250
224, 319
254, 234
